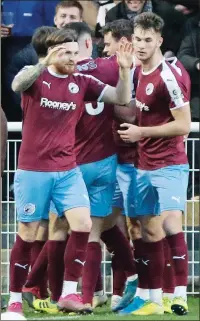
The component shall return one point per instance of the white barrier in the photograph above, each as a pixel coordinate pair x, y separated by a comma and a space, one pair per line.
17, 127
9, 224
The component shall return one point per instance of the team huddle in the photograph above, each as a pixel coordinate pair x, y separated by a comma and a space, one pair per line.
102, 141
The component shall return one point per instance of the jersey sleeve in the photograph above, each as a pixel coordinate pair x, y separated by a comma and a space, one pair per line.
176, 89
95, 89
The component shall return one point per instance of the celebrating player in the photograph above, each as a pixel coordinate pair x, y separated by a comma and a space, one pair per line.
163, 118
52, 102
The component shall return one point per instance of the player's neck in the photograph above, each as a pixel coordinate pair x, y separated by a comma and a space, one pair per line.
152, 63
84, 54
55, 71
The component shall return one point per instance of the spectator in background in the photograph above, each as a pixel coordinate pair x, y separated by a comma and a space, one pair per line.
68, 11
17, 49
189, 55
28, 15
104, 7
174, 20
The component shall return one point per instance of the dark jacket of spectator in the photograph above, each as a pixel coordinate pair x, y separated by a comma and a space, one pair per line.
11, 101
28, 15
189, 55
174, 22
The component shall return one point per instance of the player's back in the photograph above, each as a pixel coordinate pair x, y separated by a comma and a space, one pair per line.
94, 139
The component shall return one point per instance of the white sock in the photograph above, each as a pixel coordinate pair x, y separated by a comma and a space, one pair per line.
181, 291
156, 296
69, 287
99, 293
132, 277
15, 297
168, 295
142, 293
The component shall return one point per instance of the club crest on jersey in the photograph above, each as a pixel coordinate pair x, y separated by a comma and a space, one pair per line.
149, 89
29, 209
73, 88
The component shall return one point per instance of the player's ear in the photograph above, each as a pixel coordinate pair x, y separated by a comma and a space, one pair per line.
123, 40
87, 43
160, 41
49, 49
54, 19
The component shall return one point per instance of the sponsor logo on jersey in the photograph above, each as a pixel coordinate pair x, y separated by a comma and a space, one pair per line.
45, 102
149, 88
73, 88
88, 66
141, 106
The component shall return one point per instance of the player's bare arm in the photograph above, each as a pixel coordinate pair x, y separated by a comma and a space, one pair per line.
127, 113
26, 77
122, 93
180, 126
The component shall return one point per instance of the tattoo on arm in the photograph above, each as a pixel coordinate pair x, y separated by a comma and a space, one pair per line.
26, 77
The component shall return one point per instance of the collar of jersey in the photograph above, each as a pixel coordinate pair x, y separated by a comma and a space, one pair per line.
55, 74
153, 69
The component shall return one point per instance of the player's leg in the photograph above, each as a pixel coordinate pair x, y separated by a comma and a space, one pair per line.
172, 198
126, 175
58, 232
58, 229
168, 278
38, 271
126, 179
93, 261
100, 190
142, 292
146, 203
32, 194
70, 197
39, 291
119, 275
99, 297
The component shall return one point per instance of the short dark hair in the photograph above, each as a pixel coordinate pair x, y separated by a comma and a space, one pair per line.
70, 4
119, 28
61, 36
39, 40
149, 20
81, 28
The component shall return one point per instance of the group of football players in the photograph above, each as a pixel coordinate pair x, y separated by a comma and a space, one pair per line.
102, 141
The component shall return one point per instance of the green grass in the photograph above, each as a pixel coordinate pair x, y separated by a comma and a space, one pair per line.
104, 313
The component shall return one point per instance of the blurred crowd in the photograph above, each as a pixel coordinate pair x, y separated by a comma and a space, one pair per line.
21, 18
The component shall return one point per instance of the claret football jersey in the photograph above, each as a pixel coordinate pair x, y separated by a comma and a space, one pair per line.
52, 107
160, 91
94, 139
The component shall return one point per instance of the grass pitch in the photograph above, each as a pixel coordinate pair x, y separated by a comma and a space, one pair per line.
104, 313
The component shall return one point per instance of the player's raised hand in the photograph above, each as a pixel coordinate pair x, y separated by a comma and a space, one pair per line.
130, 133
54, 55
125, 55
